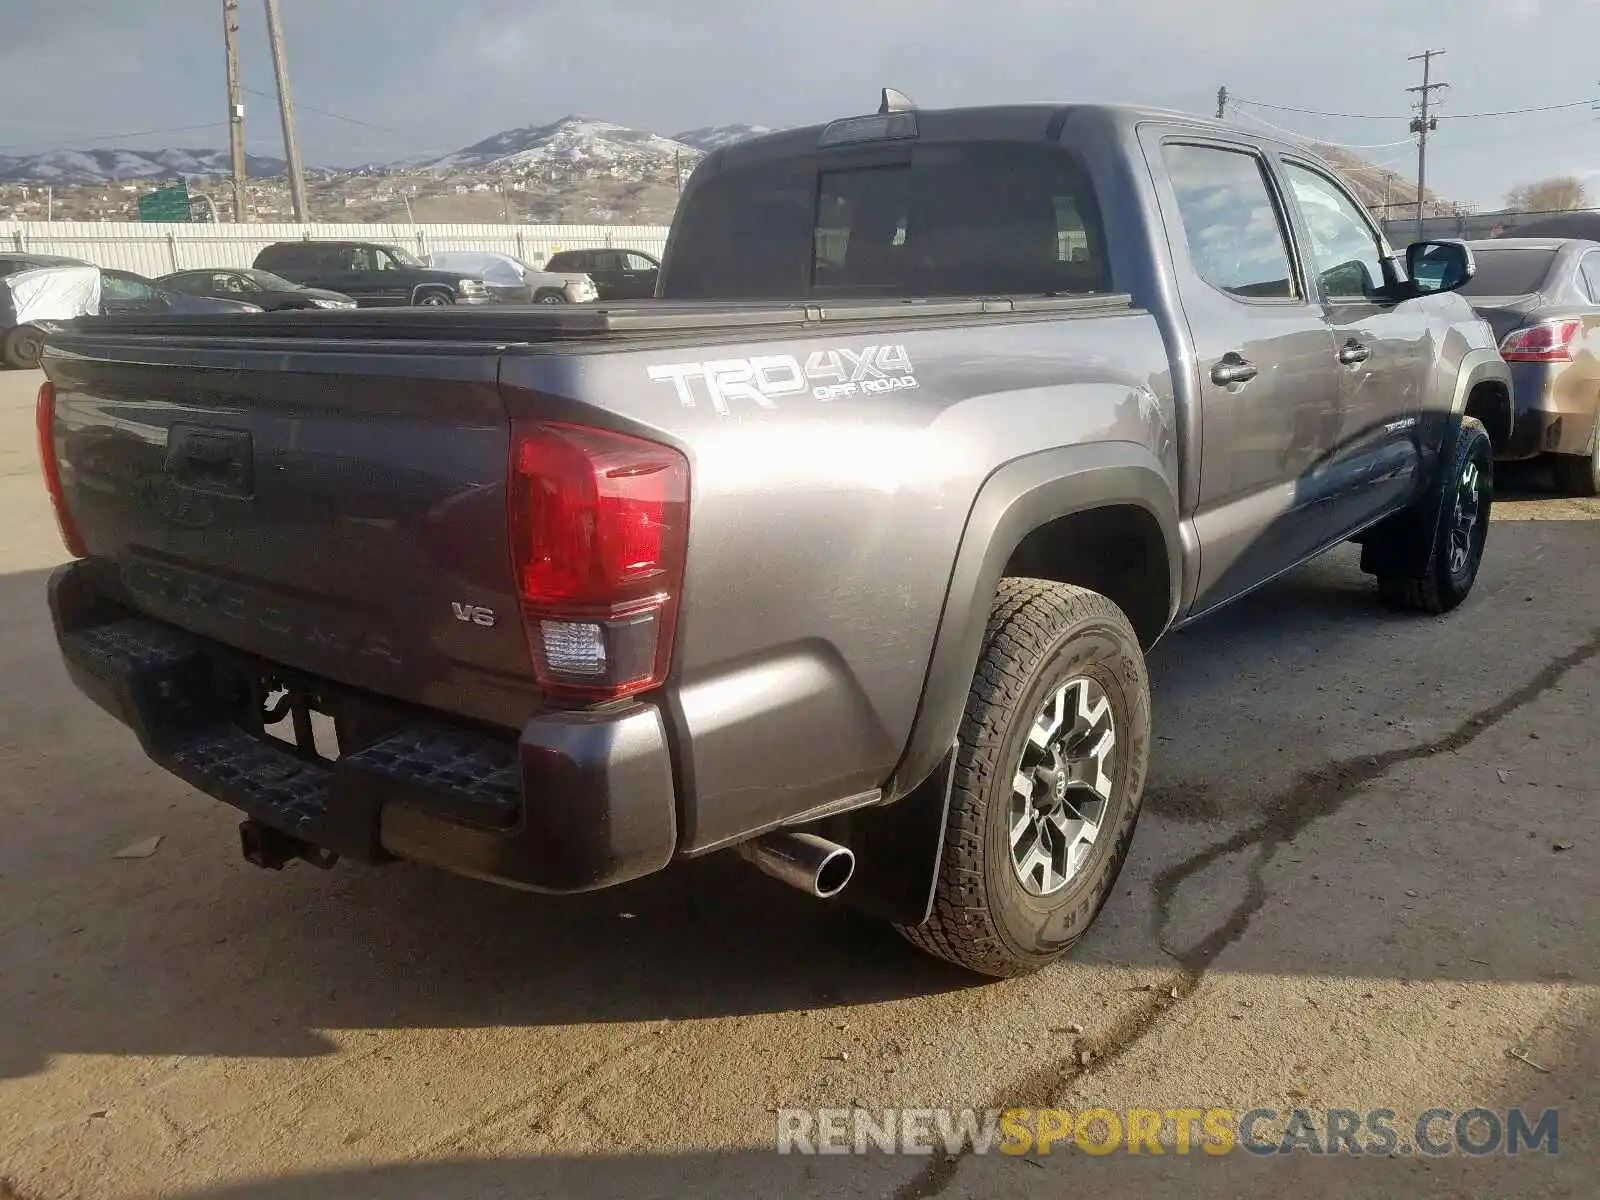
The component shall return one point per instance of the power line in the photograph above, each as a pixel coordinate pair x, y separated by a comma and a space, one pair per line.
1349, 116
1307, 137
1515, 112
75, 143
302, 106
1315, 112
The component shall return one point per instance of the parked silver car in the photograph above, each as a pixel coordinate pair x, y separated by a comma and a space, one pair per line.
515, 282
1542, 297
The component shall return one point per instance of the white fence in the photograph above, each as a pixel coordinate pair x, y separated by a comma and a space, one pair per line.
152, 248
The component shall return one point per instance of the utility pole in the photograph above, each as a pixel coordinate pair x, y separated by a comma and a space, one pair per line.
230, 40
291, 144
1423, 124
1222, 102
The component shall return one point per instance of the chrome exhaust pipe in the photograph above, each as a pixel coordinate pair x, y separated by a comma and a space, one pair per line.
815, 865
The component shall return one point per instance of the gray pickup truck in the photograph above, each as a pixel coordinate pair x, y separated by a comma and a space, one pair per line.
845, 551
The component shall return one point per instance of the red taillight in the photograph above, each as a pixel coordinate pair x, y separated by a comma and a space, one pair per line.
599, 531
45, 418
1548, 341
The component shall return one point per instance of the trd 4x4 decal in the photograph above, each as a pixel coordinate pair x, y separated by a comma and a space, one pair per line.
767, 378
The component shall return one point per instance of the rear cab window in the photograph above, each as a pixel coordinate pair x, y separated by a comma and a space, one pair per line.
949, 219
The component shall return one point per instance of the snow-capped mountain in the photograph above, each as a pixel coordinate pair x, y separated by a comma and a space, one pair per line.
101, 166
574, 141
714, 137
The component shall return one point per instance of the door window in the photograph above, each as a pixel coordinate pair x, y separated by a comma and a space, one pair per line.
1347, 253
638, 262
1235, 234
370, 258
125, 288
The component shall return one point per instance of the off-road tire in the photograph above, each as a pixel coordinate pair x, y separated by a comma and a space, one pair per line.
21, 348
1579, 474
1040, 634
1417, 574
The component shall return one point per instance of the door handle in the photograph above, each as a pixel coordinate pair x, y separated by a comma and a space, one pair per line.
1353, 352
1234, 368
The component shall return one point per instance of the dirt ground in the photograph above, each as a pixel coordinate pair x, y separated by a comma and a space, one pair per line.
1367, 878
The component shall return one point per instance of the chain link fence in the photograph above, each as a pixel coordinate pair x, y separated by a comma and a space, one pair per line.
1402, 227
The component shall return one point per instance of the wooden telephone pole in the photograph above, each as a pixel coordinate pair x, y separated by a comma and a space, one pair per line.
291, 144
230, 41
1422, 125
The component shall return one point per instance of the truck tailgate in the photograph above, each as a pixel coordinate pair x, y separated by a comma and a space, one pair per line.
310, 506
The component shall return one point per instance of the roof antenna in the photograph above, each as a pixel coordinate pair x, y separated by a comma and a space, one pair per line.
895, 101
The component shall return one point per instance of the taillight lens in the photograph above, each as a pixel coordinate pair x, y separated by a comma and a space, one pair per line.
599, 532
1548, 341
45, 418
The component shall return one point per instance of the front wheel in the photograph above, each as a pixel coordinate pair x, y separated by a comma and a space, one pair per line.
434, 300
1050, 771
22, 347
551, 298
1434, 551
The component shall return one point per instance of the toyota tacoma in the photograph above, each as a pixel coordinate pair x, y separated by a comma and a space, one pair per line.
845, 551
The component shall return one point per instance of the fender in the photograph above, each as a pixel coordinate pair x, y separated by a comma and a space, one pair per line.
899, 844
1477, 366
430, 287
1018, 498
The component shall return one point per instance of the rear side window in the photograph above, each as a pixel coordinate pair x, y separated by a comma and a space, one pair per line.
1235, 235
274, 257
1509, 272
1589, 274
981, 218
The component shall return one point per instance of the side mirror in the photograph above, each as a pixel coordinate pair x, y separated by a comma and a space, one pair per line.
1439, 266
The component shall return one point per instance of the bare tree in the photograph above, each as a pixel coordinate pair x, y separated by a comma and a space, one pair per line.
1559, 193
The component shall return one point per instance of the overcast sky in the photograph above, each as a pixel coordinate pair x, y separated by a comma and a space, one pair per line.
440, 74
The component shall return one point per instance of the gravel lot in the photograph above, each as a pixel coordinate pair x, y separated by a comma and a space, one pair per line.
1346, 892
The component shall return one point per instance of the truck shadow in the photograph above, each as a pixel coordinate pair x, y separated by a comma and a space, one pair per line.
193, 952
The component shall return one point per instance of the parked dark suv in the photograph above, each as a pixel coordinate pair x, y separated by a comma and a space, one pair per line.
617, 274
374, 274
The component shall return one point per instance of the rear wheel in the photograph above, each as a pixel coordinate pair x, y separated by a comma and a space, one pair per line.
22, 347
1431, 554
1579, 474
1050, 772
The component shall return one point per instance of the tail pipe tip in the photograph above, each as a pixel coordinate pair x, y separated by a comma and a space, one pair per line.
812, 864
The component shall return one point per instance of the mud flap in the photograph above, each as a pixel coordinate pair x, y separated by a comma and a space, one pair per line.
898, 849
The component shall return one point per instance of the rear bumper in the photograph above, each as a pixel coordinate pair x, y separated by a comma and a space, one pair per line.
578, 801
1549, 418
